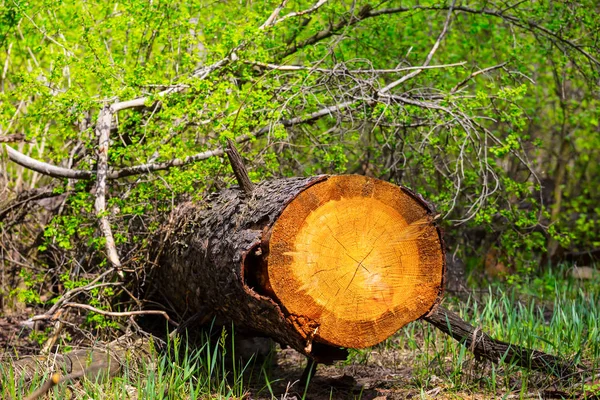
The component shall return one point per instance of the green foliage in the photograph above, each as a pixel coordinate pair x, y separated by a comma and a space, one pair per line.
28, 293
512, 115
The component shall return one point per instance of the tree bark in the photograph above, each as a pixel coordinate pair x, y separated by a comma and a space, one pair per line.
318, 264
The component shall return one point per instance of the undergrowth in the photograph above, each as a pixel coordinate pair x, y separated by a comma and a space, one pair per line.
553, 313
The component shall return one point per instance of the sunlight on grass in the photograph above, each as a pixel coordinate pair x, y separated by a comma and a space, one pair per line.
549, 313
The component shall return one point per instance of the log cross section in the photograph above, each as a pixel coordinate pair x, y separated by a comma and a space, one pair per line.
357, 257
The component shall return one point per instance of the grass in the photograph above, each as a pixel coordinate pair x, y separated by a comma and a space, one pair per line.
551, 313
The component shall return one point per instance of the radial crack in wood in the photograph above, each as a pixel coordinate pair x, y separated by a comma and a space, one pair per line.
357, 257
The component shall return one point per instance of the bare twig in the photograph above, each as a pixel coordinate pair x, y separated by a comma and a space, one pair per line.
122, 313
310, 10
200, 74
271, 20
50, 314
15, 137
49, 384
434, 48
474, 74
344, 71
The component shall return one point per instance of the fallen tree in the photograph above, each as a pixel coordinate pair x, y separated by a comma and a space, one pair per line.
316, 263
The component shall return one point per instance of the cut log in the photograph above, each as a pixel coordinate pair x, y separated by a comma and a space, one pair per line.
317, 263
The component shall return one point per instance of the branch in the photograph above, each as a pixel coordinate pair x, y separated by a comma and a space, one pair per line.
59, 172
239, 169
303, 12
474, 74
201, 73
483, 346
525, 24
50, 314
429, 56
94, 363
332, 29
15, 137
103, 132
343, 71
49, 384
177, 162
120, 314
45, 168
271, 20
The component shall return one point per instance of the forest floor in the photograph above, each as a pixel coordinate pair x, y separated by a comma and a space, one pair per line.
553, 312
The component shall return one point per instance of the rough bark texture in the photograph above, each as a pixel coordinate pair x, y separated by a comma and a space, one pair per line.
215, 255
212, 257
207, 248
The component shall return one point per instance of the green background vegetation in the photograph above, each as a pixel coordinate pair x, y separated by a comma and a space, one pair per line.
508, 155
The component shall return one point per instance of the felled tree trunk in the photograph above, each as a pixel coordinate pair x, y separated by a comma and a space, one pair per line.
317, 263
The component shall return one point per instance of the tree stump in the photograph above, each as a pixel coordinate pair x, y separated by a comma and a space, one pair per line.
315, 263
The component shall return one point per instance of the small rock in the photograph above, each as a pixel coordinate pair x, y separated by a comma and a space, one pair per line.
584, 273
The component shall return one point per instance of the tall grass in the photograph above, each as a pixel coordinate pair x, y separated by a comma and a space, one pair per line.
551, 313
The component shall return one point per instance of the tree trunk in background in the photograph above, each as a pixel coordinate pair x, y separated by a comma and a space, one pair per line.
315, 263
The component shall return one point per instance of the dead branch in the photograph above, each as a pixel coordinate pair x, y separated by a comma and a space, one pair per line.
429, 56
310, 10
49, 384
474, 74
14, 137
103, 132
271, 20
239, 169
370, 13
200, 74
93, 363
343, 70
483, 346
50, 314
45, 168
121, 313
60, 172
